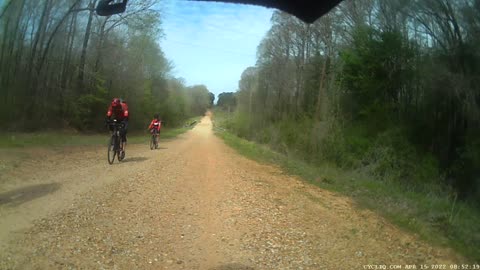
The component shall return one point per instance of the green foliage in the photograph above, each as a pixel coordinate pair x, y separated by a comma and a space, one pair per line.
376, 69
389, 98
381, 100
200, 99
391, 156
433, 213
89, 110
241, 125
212, 99
67, 78
147, 105
227, 101
174, 106
345, 147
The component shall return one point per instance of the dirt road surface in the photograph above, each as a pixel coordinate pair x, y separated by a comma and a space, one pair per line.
192, 204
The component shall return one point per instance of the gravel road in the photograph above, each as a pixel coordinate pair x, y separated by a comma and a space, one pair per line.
192, 204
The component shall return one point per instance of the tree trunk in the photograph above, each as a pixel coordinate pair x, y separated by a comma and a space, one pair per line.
10, 65
2, 55
40, 32
15, 43
68, 52
322, 95
6, 8
100, 45
50, 39
83, 56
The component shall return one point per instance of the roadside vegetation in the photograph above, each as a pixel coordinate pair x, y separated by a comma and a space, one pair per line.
435, 215
68, 138
379, 100
61, 65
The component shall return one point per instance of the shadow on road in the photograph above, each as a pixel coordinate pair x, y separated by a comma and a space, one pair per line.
232, 266
25, 194
160, 148
135, 159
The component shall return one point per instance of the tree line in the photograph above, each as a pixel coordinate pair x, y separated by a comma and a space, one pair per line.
60, 65
387, 87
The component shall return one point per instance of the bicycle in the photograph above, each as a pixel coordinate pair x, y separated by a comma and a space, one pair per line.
154, 139
114, 146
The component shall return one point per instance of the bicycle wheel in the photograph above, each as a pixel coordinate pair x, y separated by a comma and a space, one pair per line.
152, 142
156, 141
112, 151
120, 153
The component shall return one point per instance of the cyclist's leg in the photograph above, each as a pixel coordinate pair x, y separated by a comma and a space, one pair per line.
124, 135
124, 140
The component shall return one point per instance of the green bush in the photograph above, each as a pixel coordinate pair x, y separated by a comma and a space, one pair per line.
392, 156
241, 125
90, 112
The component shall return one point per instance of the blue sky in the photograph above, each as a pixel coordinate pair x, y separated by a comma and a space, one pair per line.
212, 43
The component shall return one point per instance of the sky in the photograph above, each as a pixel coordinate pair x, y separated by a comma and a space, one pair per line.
212, 43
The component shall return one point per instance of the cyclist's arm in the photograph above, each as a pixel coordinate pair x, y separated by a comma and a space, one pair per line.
109, 111
125, 111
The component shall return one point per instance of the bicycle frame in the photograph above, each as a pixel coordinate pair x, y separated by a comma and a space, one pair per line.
115, 141
154, 139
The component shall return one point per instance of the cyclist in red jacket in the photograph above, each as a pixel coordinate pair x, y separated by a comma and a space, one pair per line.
119, 110
155, 125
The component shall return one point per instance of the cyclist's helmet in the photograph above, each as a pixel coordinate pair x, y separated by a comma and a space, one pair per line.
155, 116
116, 102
